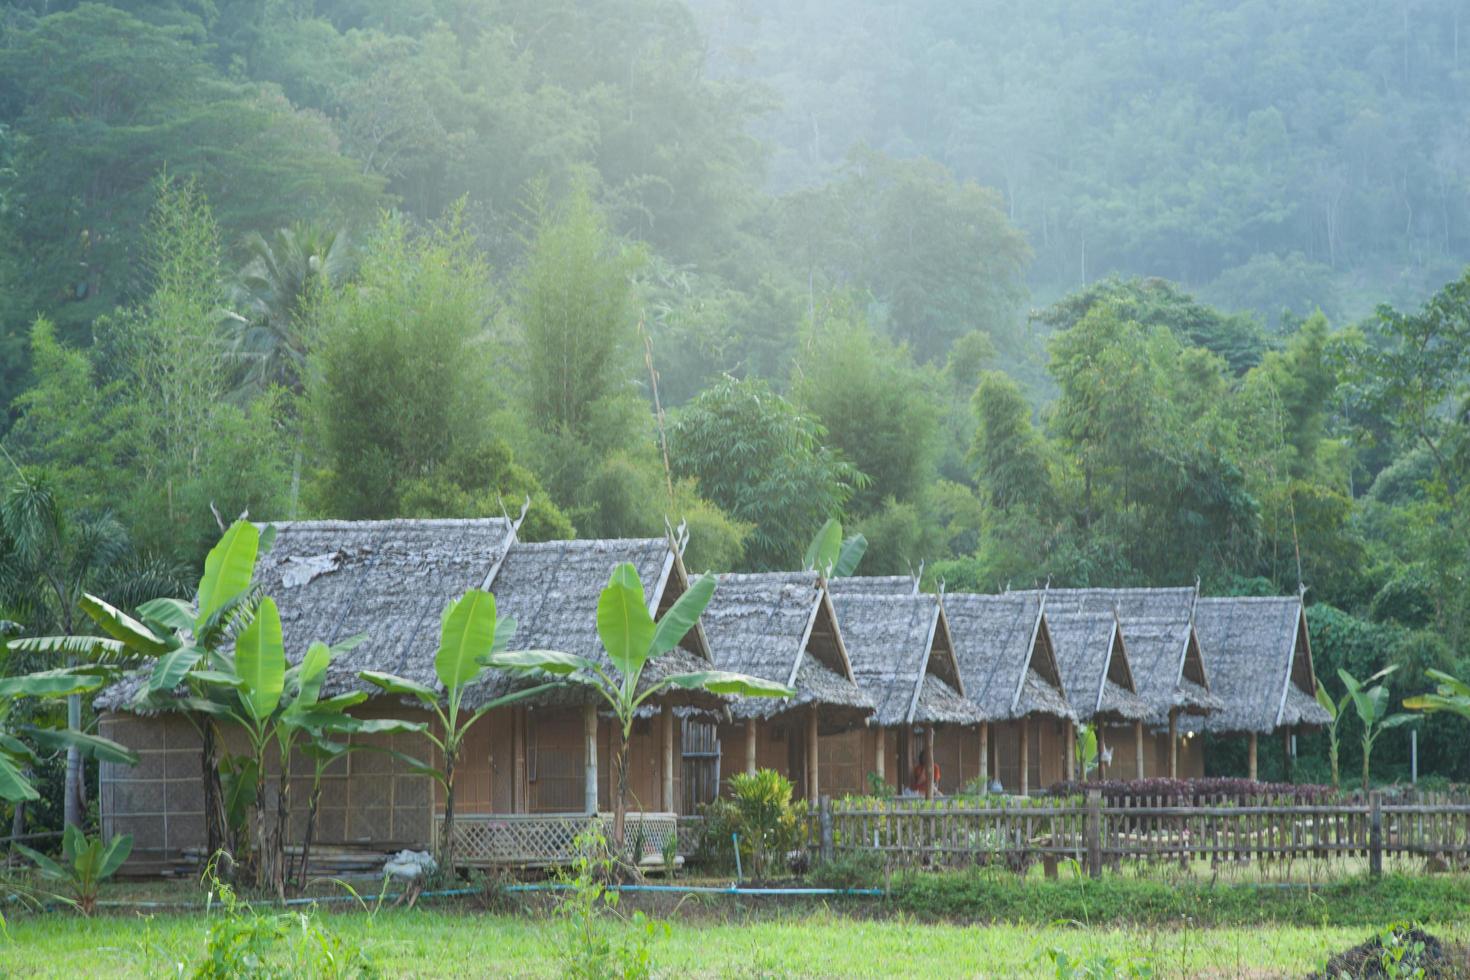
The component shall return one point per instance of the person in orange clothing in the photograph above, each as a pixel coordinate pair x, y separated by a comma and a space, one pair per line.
922, 772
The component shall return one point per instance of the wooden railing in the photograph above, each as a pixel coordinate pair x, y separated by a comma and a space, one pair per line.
539, 840
951, 833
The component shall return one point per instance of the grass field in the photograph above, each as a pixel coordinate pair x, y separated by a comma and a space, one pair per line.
437, 943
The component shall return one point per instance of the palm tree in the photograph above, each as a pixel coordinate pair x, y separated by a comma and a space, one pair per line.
267, 329
48, 560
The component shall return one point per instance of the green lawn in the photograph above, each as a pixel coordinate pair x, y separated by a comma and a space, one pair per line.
441, 943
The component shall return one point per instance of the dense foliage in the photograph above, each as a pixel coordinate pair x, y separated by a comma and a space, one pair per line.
633, 262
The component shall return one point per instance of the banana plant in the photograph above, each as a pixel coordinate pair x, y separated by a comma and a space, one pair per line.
1371, 706
1450, 694
183, 643
19, 742
85, 864
469, 634
1086, 749
632, 637
831, 554
1336, 710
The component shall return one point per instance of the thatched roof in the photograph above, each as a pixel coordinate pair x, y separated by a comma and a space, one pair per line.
780, 626
388, 580
895, 643
1260, 660
1159, 635
551, 590
1094, 666
1005, 654
854, 585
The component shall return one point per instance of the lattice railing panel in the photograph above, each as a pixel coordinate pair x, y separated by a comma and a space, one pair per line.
541, 840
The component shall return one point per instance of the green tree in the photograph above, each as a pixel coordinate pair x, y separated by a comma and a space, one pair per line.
763, 462
1371, 705
1009, 457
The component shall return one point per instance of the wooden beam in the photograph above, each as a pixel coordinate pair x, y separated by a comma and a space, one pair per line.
668, 773
1286, 750
929, 761
1251, 757
1071, 749
589, 748
750, 736
518, 789
1138, 749
811, 754
1173, 743
880, 754
985, 754
1025, 757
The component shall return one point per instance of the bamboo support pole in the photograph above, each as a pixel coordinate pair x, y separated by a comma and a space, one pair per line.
589, 748
750, 737
668, 767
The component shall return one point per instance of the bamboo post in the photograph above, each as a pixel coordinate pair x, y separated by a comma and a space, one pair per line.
880, 754
825, 821
1094, 833
1173, 743
929, 761
750, 735
1375, 833
589, 771
985, 754
811, 754
1251, 757
668, 773
1071, 751
1286, 750
1025, 757
1138, 749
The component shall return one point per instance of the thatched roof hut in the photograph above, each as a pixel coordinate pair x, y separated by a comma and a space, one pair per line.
902, 655
386, 580
780, 626
1163, 648
1096, 676
1260, 664
1005, 655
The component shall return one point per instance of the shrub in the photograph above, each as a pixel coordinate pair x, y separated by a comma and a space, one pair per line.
597, 940
1190, 791
85, 864
853, 869
768, 822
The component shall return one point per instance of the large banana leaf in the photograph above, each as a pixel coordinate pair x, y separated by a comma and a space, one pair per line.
14, 787
466, 633
549, 661
94, 746
848, 557
311, 673
682, 615
71, 646
173, 614
50, 684
725, 682
114, 854
623, 623
120, 626
394, 684
228, 568
47, 867
171, 668
821, 554
260, 661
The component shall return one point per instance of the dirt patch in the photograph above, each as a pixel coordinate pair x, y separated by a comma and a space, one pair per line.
1399, 952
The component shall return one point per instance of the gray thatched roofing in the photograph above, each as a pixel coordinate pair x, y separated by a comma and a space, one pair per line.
763, 624
1260, 663
389, 580
551, 589
1000, 642
1095, 673
854, 585
1158, 633
891, 642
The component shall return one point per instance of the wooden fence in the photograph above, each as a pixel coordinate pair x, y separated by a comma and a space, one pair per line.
1098, 833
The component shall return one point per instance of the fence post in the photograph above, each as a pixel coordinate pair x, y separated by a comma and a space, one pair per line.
1375, 833
1094, 833
826, 824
